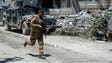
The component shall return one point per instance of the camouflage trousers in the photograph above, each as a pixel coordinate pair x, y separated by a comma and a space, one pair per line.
39, 37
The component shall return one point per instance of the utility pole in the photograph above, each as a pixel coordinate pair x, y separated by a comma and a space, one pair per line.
76, 5
3, 0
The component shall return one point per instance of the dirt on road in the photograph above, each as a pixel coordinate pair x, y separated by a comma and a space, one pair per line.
12, 51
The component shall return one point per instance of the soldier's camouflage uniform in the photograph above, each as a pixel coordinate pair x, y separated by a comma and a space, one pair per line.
37, 33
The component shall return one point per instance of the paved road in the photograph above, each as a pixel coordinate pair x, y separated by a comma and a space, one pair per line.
12, 51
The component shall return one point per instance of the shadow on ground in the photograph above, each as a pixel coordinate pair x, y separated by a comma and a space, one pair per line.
16, 31
33, 55
6, 60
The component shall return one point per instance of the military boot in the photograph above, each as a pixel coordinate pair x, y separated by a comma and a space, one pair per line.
41, 56
25, 44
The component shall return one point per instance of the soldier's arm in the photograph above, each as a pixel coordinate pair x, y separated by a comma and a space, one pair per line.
33, 23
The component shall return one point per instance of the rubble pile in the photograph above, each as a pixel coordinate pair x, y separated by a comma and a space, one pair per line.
72, 31
74, 24
83, 24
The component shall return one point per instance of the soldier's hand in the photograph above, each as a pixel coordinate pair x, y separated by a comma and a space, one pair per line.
47, 30
39, 26
35, 25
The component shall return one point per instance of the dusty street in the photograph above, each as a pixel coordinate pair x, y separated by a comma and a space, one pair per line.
11, 50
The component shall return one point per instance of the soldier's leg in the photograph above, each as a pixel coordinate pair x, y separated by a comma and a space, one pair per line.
31, 42
33, 37
41, 46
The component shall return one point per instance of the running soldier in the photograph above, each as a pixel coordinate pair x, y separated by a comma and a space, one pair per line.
38, 28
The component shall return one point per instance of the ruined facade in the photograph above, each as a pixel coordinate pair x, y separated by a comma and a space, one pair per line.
54, 3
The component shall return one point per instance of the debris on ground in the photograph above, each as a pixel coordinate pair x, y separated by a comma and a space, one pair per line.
84, 23
74, 24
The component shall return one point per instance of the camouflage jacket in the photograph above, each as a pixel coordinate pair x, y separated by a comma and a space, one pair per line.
37, 25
